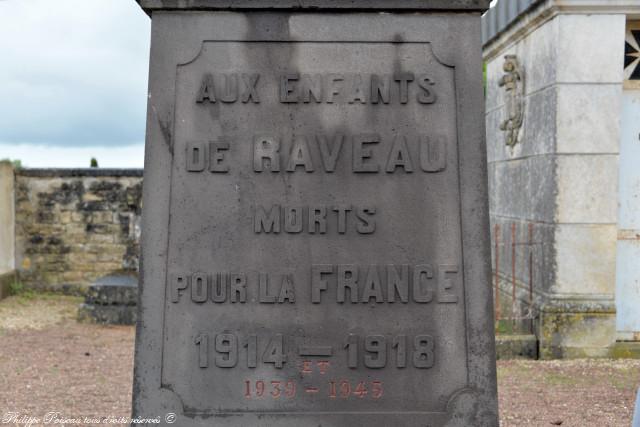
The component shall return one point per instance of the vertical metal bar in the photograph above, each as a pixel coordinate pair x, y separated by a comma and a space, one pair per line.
530, 264
497, 276
530, 310
513, 271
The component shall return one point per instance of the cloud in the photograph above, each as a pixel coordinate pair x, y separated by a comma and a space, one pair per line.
73, 72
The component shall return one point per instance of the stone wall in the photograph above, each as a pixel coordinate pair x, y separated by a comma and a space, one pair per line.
74, 226
553, 194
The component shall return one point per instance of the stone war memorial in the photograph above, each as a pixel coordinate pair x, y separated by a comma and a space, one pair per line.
315, 239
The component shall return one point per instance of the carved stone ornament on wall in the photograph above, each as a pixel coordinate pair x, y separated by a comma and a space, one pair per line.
513, 83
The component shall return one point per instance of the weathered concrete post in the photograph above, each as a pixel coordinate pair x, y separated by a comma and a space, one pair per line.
7, 227
315, 226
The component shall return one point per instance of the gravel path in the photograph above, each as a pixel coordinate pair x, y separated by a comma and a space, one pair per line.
48, 362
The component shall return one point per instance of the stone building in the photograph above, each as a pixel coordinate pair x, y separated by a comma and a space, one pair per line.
61, 229
563, 141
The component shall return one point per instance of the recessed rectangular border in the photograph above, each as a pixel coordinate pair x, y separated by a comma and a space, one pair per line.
428, 45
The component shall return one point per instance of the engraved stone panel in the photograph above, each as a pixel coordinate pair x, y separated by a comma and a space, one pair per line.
314, 252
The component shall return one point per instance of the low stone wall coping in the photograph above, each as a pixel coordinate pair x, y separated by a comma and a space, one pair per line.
80, 172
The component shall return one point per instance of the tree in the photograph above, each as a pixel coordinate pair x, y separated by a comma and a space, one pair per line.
94, 162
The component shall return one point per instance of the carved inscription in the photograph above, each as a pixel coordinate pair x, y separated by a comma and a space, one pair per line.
358, 153
398, 88
377, 351
341, 283
314, 219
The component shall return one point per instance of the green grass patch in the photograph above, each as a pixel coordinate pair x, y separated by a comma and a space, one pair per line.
18, 289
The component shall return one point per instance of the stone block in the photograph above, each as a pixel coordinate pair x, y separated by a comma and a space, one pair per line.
65, 217
586, 259
589, 48
112, 254
75, 230
81, 257
539, 124
537, 54
84, 267
538, 133
587, 185
100, 238
576, 329
104, 217
78, 217
523, 188
96, 248
108, 314
588, 118
91, 197
107, 228
111, 300
113, 290
110, 266
72, 276
516, 347
625, 350
90, 276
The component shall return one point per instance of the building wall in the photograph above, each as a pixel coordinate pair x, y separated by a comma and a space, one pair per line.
553, 202
74, 226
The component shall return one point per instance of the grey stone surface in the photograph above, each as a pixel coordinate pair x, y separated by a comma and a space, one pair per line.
538, 132
111, 300
315, 5
524, 189
286, 343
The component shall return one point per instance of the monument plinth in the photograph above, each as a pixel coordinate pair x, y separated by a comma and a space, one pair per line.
315, 232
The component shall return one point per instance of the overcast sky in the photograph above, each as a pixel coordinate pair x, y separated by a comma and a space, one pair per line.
73, 82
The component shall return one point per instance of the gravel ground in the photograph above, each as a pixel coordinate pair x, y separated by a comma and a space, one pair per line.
48, 362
